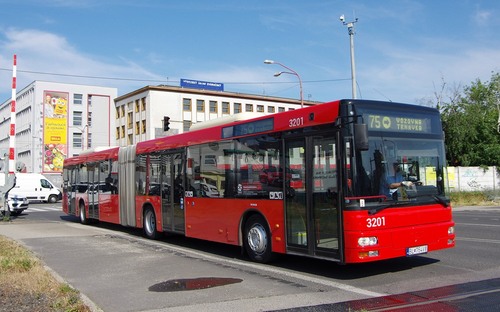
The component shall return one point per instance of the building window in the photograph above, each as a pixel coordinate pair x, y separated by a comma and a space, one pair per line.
186, 125
117, 112
281, 109
117, 133
271, 109
291, 109
78, 99
129, 120
143, 104
89, 119
143, 130
77, 140
200, 105
137, 128
213, 106
122, 111
89, 140
260, 108
248, 108
77, 118
237, 108
186, 105
122, 131
225, 107
137, 106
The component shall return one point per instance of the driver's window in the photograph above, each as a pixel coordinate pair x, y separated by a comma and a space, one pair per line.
45, 183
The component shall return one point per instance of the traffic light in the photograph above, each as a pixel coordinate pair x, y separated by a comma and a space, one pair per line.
166, 123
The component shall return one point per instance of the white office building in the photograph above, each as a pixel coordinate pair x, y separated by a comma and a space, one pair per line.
54, 121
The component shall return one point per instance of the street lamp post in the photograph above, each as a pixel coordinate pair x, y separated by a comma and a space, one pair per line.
83, 136
291, 72
350, 29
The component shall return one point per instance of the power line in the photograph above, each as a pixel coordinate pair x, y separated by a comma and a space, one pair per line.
167, 80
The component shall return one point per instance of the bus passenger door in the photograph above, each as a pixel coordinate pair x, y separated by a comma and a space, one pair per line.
172, 192
311, 201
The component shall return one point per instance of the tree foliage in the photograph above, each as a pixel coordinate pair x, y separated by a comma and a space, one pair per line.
471, 124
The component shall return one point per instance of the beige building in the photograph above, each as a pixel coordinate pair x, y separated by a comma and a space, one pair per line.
140, 114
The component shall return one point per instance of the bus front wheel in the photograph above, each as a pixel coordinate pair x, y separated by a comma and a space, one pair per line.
149, 224
257, 239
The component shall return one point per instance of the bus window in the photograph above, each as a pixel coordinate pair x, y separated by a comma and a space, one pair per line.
208, 163
258, 169
82, 179
140, 174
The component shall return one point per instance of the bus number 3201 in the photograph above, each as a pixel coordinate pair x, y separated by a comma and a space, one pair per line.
296, 122
375, 222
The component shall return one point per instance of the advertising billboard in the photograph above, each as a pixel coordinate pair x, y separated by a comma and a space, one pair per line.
55, 124
205, 85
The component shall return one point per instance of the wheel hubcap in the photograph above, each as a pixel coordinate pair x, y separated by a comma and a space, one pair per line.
257, 238
150, 222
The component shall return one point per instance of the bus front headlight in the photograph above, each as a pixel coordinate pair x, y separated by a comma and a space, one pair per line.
367, 241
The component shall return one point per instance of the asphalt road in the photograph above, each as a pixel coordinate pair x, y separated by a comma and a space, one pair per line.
118, 270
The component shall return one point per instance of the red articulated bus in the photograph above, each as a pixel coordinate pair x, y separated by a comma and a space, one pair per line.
349, 181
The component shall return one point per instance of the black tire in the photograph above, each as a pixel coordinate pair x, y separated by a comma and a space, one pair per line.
16, 213
257, 239
52, 199
149, 224
83, 216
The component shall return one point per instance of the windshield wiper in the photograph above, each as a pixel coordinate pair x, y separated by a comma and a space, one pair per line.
443, 201
380, 208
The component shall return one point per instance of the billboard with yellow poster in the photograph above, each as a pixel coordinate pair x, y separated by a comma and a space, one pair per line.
55, 125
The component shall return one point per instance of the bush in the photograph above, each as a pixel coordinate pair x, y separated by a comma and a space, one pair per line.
475, 198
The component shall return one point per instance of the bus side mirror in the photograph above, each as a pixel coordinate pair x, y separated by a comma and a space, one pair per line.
361, 137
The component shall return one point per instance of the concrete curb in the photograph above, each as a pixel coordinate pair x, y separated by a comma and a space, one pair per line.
86, 300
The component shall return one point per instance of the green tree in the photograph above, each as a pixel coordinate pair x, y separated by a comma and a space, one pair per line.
471, 124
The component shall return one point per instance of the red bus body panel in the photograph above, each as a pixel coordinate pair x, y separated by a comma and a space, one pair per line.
397, 229
220, 220
109, 208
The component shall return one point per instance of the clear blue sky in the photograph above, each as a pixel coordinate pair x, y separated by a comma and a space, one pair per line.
404, 49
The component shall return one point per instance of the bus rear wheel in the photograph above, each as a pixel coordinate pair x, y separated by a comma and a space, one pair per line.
257, 239
83, 216
149, 224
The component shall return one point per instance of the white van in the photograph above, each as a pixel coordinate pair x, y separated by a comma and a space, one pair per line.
36, 187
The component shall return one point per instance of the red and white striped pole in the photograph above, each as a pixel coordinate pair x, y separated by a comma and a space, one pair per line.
12, 145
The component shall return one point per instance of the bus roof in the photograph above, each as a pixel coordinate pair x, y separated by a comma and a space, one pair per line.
96, 155
289, 120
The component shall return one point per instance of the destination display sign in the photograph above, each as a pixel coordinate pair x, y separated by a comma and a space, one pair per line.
391, 122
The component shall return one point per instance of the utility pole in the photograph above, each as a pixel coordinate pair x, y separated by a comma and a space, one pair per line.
350, 29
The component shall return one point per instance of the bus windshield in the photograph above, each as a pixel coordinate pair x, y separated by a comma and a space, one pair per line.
405, 160
400, 170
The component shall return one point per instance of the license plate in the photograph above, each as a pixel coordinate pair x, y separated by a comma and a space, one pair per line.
416, 250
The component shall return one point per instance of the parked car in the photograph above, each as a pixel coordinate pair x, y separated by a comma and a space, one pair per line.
17, 204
